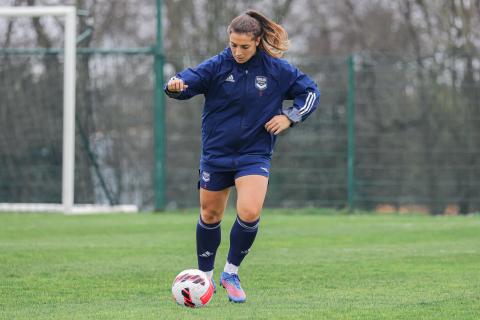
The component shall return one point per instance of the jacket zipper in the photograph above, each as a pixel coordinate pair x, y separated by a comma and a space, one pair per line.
245, 87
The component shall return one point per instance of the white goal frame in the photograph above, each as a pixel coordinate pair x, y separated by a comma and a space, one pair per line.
69, 77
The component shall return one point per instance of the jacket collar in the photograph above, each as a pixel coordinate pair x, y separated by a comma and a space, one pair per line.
254, 61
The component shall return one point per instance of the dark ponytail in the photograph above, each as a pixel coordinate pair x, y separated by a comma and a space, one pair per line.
273, 37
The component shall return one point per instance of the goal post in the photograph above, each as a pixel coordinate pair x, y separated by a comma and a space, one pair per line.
68, 154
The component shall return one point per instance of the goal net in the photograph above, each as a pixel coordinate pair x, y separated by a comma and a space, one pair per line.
38, 127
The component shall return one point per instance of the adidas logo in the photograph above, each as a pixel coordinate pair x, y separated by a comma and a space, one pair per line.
245, 251
206, 254
230, 78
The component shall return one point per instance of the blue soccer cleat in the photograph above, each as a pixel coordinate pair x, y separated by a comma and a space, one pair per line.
231, 283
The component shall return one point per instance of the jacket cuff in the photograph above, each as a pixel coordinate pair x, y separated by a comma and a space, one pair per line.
171, 94
292, 114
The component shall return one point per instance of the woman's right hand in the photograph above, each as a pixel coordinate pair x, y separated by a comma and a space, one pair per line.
176, 85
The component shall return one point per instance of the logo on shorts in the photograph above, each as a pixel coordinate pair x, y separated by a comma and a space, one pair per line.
205, 176
264, 169
261, 83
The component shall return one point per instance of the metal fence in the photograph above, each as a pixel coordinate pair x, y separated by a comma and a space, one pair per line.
391, 133
114, 121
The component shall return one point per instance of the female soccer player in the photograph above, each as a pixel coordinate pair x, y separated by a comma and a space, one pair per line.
244, 87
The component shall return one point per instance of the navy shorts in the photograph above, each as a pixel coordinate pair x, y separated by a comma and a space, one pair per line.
219, 180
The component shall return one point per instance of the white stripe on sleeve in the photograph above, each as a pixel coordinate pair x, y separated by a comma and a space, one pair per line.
309, 105
309, 96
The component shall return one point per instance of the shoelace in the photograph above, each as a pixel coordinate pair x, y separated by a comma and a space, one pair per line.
235, 279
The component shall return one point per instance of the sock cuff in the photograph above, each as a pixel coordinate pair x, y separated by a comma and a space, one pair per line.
208, 226
230, 268
248, 225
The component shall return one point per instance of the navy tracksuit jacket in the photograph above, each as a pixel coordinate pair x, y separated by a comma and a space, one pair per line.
239, 100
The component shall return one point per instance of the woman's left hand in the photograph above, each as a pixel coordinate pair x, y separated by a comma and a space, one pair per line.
277, 124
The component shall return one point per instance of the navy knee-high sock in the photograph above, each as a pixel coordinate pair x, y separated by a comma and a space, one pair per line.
208, 240
241, 239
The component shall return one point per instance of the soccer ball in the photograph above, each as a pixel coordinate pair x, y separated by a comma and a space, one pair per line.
192, 288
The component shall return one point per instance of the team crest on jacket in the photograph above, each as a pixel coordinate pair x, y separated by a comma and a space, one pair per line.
261, 82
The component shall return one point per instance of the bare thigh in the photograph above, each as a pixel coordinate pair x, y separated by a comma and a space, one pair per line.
212, 204
251, 191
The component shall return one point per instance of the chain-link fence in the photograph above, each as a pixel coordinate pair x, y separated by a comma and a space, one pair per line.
417, 134
113, 149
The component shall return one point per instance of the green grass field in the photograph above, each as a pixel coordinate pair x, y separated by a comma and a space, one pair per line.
302, 266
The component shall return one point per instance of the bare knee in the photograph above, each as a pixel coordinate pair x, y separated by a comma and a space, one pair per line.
249, 214
211, 215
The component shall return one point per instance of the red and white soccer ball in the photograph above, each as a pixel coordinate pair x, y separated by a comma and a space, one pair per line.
192, 288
